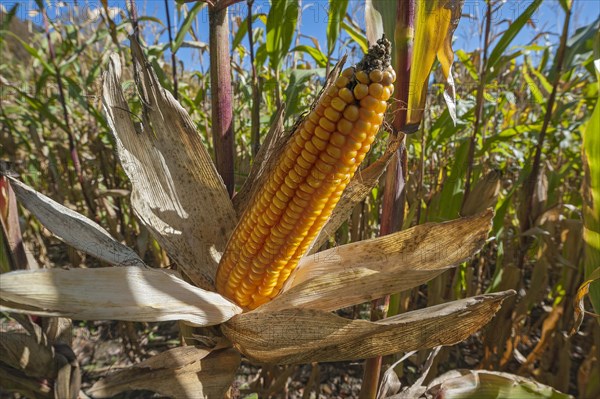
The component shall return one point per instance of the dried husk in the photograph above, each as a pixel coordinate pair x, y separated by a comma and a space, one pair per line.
112, 293
307, 335
176, 190
74, 229
366, 270
184, 372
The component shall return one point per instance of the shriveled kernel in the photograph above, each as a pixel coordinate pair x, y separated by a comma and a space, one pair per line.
338, 104
327, 124
342, 81
360, 91
346, 95
351, 113
362, 77
376, 75
344, 126
386, 79
338, 139
348, 72
369, 102
376, 90
332, 114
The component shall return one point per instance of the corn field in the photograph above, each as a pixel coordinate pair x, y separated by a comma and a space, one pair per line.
299, 199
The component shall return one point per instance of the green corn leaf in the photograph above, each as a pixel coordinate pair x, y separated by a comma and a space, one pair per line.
511, 33
281, 24
316, 54
337, 10
187, 24
357, 36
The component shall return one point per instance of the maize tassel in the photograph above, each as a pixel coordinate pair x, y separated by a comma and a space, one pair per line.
299, 194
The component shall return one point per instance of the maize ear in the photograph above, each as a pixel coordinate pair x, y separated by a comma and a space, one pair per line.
299, 194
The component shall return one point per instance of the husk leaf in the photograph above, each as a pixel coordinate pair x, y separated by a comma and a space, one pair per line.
307, 335
112, 293
176, 190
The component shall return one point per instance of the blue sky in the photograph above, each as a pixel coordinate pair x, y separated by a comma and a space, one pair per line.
549, 18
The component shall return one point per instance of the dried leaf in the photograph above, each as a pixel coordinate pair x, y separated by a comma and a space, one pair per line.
267, 155
361, 271
184, 372
306, 335
10, 239
74, 229
112, 293
359, 187
176, 190
484, 194
578, 305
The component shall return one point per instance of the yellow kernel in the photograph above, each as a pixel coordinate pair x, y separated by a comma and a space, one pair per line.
322, 133
326, 158
376, 75
376, 89
334, 152
308, 156
381, 107
344, 126
387, 93
332, 114
351, 113
349, 161
305, 134
341, 82
314, 117
332, 91
309, 125
300, 170
285, 189
313, 182
362, 77
323, 167
310, 147
361, 127
304, 163
338, 104
369, 102
348, 72
352, 144
290, 183
393, 73
346, 95
327, 124
318, 143
294, 176
361, 91
368, 115
338, 139
319, 109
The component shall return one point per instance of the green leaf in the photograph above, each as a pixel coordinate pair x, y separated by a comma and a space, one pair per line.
316, 54
591, 202
298, 79
187, 24
357, 36
337, 10
281, 24
511, 33
242, 31
533, 87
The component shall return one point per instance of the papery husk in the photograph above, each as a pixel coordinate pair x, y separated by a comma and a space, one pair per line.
307, 335
74, 229
112, 293
184, 372
361, 271
176, 190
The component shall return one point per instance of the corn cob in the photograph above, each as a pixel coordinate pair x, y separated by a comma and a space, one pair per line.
299, 194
